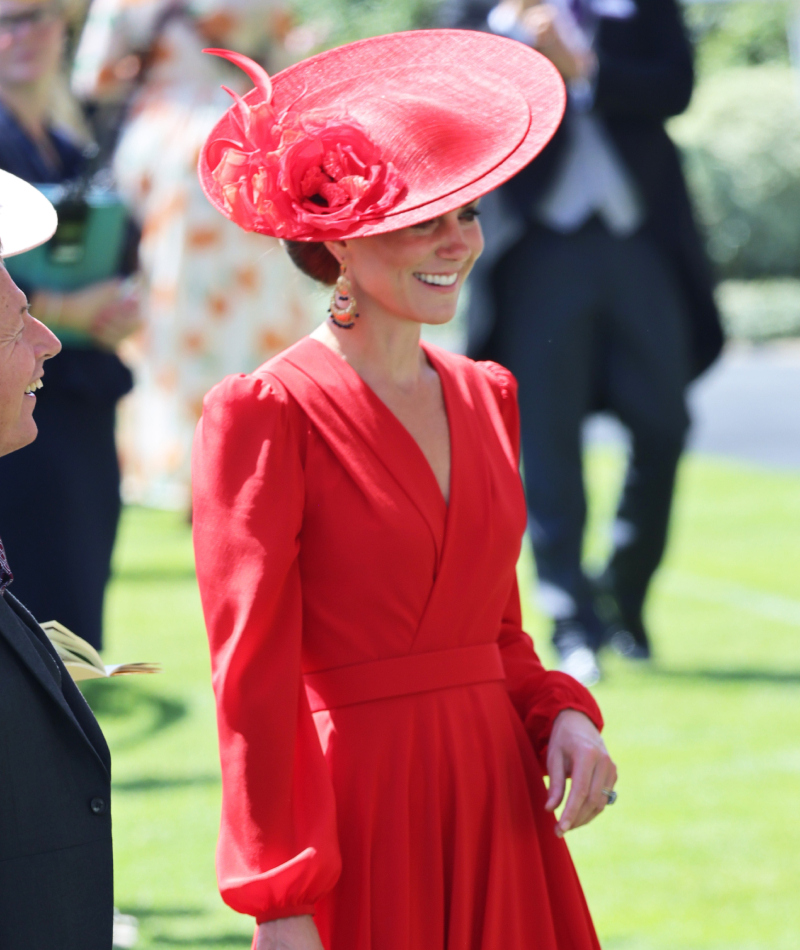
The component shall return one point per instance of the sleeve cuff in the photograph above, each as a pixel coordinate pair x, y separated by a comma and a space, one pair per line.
278, 913
565, 693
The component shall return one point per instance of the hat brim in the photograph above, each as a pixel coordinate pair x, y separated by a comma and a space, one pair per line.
27, 218
478, 107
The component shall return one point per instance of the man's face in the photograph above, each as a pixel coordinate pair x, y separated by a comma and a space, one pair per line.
31, 40
25, 344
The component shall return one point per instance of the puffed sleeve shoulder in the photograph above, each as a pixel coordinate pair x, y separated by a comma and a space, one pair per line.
504, 384
539, 695
278, 851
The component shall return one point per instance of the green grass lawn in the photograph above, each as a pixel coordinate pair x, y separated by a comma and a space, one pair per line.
703, 848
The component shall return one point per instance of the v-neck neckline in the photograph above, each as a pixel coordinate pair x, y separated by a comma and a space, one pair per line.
350, 372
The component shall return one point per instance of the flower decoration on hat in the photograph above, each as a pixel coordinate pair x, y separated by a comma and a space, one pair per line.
295, 176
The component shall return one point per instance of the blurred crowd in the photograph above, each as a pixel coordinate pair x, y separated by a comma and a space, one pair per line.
105, 106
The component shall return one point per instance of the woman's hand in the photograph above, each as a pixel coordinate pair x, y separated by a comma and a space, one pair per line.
118, 320
289, 933
577, 752
107, 311
75, 309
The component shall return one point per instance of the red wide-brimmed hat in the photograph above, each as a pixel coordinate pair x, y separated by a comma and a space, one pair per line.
380, 134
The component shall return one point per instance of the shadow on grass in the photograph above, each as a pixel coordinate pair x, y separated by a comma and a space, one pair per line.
147, 575
210, 940
145, 913
750, 675
125, 700
159, 915
153, 784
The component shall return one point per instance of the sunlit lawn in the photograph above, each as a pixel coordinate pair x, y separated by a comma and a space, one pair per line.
702, 849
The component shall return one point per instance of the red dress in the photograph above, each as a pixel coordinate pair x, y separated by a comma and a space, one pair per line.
383, 718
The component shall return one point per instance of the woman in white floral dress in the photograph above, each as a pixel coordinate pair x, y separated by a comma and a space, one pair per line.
218, 300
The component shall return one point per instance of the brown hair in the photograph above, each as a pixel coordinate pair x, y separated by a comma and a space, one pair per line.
314, 259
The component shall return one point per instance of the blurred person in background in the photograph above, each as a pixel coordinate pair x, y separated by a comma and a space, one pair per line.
60, 503
56, 869
595, 291
216, 300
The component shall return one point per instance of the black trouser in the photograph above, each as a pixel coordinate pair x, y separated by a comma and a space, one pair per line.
581, 315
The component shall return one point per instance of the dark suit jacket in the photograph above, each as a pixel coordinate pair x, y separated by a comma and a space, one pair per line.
645, 75
56, 873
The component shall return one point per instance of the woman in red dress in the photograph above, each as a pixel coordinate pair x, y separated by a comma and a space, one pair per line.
384, 722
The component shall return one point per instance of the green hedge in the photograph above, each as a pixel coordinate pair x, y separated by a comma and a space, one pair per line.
741, 144
738, 33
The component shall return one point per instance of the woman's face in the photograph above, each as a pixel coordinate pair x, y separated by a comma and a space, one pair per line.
31, 40
416, 273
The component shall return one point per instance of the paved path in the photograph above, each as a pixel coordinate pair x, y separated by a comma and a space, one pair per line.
746, 407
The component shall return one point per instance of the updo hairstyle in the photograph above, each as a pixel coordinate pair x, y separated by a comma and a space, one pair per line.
314, 259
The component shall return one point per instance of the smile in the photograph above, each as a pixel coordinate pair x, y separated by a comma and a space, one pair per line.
439, 280
33, 387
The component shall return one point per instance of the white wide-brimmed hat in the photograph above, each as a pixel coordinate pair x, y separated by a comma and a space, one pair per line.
27, 219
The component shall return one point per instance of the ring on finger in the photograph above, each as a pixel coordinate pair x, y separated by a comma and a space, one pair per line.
610, 794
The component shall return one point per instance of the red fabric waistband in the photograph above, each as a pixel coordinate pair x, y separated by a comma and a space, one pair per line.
403, 676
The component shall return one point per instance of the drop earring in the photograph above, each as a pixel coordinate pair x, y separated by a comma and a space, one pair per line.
342, 310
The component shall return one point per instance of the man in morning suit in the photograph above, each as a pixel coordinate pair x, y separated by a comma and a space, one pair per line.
56, 876
595, 291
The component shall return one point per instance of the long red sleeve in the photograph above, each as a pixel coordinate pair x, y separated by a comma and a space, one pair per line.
278, 851
539, 695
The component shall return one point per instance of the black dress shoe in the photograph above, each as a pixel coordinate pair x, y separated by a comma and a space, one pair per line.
626, 632
633, 644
